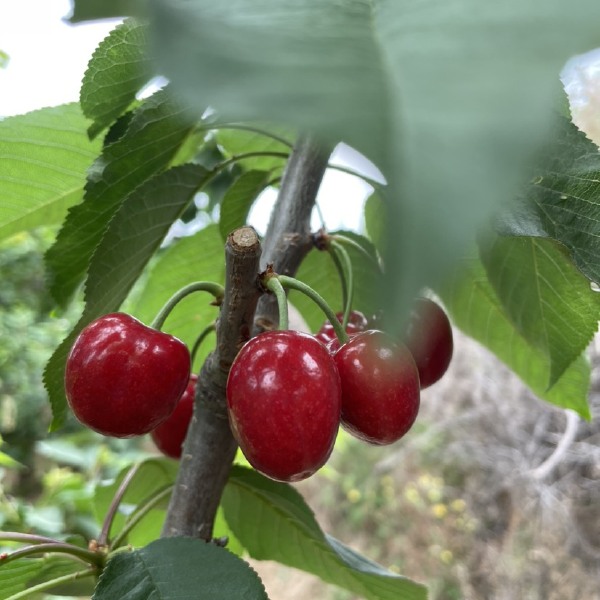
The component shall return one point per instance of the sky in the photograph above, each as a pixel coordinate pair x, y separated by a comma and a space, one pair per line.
47, 60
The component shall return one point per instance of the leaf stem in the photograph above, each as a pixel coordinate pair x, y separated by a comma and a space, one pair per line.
87, 556
48, 585
295, 284
140, 514
198, 286
273, 284
114, 505
342, 239
258, 130
365, 178
14, 536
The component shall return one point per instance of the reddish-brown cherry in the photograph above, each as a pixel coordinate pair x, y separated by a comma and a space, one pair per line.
283, 396
123, 378
380, 387
170, 434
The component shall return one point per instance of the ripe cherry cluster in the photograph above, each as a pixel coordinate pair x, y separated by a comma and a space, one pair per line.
287, 391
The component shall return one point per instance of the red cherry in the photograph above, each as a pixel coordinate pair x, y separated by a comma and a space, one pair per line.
283, 396
357, 322
123, 378
429, 338
170, 434
380, 387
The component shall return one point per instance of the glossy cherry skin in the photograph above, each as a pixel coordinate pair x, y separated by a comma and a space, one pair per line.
283, 396
380, 387
170, 434
357, 322
429, 338
123, 378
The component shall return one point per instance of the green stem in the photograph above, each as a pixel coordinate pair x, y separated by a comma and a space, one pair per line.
273, 283
203, 335
342, 239
198, 286
258, 130
244, 155
14, 536
337, 248
87, 556
371, 182
48, 585
140, 514
114, 505
295, 284
340, 270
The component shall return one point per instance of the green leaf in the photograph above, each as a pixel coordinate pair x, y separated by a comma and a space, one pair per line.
14, 576
273, 522
133, 236
117, 70
155, 133
375, 219
476, 309
240, 141
562, 200
201, 256
4, 59
44, 156
451, 99
177, 568
238, 200
549, 301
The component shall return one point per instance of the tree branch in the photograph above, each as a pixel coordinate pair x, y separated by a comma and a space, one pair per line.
288, 237
209, 448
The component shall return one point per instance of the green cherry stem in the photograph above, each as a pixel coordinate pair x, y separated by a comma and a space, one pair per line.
71, 551
340, 270
203, 335
14, 536
273, 284
140, 514
198, 286
347, 275
114, 505
51, 583
342, 239
295, 284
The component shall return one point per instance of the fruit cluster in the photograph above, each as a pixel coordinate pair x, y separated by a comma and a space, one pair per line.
288, 391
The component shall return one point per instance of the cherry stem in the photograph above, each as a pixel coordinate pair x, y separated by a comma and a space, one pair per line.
342, 239
198, 286
296, 284
340, 270
14, 536
51, 583
114, 505
347, 276
72, 551
203, 335
273, 284
141, 512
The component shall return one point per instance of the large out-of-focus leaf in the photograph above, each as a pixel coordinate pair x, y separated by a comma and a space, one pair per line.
548, 300
450, 98
133, 236
117, 70
562, 198
44, 156
273, 522
476, 309
178, 568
